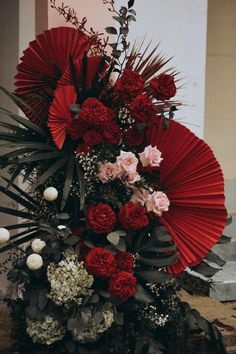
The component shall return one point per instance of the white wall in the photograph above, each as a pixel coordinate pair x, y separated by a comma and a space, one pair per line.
180, 26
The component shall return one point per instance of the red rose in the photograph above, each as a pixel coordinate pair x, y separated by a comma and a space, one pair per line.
101, 218
125, 261
133, 216
112, 133
100, 263
93, 137
129, 85
94, 112
163, 87
142, 109
134, 137
122, 285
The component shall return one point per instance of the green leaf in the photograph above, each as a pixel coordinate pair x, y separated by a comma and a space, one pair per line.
121, 246
19, 190
50, 171
142, 295
113, 238
124, 31
72, 323
18, 199
74, 107
29, 144
20, 101
132, 11
119, 19
130, 4
20, 226
42, 299
224, 239
160, 261
13, 128
68, 181
15, 212
131, 18
214, 258
153, 276
41, 156
25, 122
205, 269
81, 184
111, 30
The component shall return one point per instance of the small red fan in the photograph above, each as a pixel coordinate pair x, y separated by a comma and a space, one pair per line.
60, 118
45, 59
194, 184
92, 67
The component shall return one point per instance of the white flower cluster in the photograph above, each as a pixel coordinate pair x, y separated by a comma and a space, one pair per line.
69, 280
95, 321
47, 331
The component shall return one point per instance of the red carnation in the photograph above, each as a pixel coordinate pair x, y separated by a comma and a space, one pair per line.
101, 218
129, 85
93, 137
83, 148
125, 261
142, 109
94, 112
133, 216
73, 129
112, 133
134, 137
163, 87
122, 285
100, 263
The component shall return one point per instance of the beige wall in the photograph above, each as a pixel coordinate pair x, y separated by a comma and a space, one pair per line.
220, 120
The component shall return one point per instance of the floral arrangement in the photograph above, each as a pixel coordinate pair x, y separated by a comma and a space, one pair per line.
120, 199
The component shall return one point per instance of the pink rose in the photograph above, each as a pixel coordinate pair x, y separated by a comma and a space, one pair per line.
107, 171
133, 177
127, 162
151, 156
157, 202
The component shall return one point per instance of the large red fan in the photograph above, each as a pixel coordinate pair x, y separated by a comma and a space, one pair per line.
195, 186
44, 61
60, 118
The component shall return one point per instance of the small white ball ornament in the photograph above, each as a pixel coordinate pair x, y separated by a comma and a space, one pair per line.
4, 235
37, 245
50, 194
34, 261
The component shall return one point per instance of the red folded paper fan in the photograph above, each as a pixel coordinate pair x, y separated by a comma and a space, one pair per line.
60, 118
44, 61
92, 70
195, 186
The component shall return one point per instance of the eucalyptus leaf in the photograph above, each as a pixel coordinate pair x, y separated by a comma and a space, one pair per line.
160, 261
114, 238
72, 323
142, 295
121, 246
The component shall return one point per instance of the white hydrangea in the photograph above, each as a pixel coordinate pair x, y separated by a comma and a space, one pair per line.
95, 321
69, 280
46, 332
